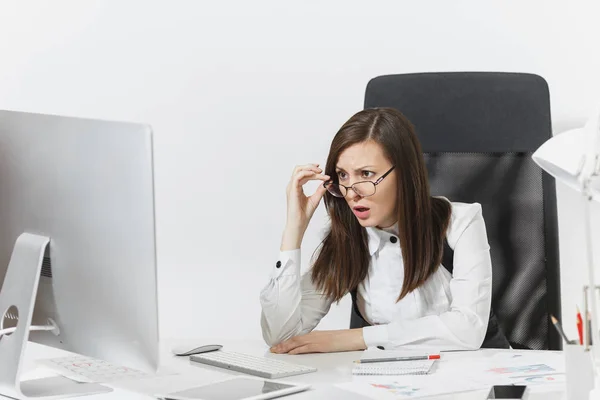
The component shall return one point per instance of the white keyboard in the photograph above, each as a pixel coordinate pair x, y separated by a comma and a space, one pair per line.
253, 365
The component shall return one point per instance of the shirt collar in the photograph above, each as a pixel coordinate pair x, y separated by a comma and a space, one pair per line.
378, 236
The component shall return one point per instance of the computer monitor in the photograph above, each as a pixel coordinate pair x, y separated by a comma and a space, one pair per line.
87, 186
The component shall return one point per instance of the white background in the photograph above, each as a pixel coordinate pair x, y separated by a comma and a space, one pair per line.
238, 92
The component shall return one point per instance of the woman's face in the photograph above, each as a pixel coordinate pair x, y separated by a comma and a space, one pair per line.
366, 161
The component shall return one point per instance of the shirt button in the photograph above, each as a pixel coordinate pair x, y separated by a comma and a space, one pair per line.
278, 265
393, 239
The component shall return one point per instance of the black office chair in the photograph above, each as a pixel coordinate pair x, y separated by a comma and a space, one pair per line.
478, 131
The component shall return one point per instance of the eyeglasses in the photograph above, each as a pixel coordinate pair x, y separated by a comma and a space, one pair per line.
363, 188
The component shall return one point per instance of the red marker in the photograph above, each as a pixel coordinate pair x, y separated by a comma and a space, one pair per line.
407, 358
579, 326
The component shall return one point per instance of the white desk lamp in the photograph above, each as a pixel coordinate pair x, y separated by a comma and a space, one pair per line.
573, 157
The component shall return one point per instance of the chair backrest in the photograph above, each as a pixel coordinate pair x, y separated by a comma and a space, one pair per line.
478, 131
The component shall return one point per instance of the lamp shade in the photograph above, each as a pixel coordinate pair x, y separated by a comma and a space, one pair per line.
573, 157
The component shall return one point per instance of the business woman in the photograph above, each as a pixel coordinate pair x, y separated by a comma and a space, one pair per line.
384, 246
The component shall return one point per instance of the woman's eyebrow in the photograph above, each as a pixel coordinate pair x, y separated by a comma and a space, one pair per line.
357, 169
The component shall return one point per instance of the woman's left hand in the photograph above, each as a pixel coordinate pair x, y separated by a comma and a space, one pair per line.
323, 342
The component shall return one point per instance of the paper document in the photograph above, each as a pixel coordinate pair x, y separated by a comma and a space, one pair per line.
523, 368
410, 387
544, 370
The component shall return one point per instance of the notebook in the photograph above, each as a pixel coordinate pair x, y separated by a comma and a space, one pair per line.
394, 368
413, 367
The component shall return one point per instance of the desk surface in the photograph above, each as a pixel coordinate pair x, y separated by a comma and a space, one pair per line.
332, 369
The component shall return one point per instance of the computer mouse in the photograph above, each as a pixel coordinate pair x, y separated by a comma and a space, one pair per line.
189, 350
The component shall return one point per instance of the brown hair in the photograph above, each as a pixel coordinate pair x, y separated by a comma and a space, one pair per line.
343, 256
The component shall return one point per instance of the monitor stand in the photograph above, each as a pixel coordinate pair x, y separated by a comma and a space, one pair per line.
18, 297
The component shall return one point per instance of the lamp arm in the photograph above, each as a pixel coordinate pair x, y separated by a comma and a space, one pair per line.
591, 164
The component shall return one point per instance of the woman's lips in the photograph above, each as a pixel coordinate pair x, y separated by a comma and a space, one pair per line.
362, 212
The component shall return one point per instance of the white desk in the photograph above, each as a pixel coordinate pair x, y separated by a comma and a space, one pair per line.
332, 368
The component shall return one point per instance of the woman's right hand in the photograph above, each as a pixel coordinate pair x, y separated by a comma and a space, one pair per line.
300, 208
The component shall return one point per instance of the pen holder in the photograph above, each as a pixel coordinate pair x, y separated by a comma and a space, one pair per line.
579, 372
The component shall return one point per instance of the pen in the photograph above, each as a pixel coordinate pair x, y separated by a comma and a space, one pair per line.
579, 326
589, 328
560, 330
406, 358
